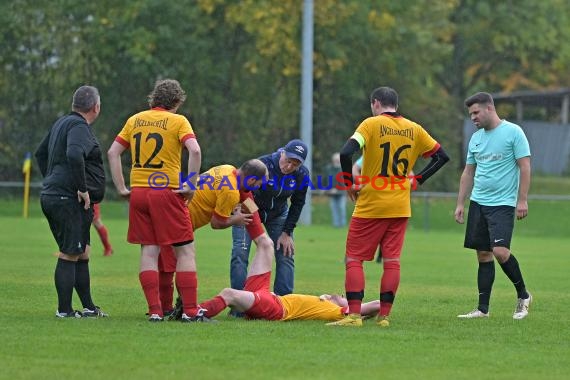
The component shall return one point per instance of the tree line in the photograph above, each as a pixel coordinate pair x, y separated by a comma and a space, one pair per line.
240, 61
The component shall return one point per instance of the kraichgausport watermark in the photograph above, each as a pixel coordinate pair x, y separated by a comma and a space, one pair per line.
161, 181
158, 181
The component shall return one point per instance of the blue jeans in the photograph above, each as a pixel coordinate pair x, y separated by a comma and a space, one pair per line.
284, 266
337, 203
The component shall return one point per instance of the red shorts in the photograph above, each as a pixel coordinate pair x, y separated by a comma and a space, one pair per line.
364, 236
96, 211
266, 305
158, 217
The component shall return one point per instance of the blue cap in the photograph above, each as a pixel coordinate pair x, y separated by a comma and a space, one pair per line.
296, 149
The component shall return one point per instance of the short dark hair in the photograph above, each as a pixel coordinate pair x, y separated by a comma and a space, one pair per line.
479, 98
254, 168
385, 95
84, 99
167, 93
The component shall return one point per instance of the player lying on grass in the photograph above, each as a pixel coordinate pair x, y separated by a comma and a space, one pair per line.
222, 199
257, 302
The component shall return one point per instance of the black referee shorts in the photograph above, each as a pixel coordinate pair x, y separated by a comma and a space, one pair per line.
69, 222
489, 226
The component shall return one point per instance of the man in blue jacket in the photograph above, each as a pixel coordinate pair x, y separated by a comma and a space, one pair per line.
287, 180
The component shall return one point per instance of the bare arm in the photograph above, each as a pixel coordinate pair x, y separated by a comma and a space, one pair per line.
356, 170
370, 308
114, 157
465, 187
236, 219
524, 185
194, 163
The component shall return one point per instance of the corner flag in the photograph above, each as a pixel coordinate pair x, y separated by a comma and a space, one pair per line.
27, 170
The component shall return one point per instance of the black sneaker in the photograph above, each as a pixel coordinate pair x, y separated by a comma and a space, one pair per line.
236, 314
199, 317
73, 314
166, 314
176, 313
95, 313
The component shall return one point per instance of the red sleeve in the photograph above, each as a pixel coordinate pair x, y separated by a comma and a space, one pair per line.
431, 152
187, 137
122, 141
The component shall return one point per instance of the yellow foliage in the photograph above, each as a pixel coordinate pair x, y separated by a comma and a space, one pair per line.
383, 21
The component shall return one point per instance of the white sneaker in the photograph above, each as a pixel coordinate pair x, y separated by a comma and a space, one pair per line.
73, 314
474, 314
521, 311
155, 318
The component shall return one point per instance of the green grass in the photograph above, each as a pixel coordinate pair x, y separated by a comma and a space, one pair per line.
542, 184
425, 339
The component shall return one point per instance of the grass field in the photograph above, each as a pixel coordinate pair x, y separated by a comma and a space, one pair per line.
424, 341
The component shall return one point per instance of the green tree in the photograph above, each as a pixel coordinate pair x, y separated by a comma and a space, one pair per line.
504, 46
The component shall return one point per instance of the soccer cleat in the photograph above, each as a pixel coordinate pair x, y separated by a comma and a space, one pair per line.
353, 320
108, 252
97, 312
155, 318
474, 314
168, 313
382, 321
521, 311
199, 317
176, 313
236, 314
73, 314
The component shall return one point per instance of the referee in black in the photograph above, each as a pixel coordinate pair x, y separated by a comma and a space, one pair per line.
71, 163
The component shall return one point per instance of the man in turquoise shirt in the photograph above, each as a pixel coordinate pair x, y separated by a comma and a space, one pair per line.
497, 173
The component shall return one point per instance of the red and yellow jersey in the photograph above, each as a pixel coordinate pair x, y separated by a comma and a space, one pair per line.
155, 138
216, 193
301, 306
391, 145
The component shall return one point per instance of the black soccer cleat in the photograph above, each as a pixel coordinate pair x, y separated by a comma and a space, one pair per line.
176, 313
199, 317
94, 313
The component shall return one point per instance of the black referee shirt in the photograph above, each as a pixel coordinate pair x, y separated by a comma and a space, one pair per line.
70, 159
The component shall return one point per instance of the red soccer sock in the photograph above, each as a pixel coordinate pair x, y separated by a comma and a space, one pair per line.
213, 306
104, 235
354, 286
166, 288
187, 285
388, 286
149, 283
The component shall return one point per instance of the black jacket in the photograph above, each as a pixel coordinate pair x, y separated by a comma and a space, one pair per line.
70, 159
272, 197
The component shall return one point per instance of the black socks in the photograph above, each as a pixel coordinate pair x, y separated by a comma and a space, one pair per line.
485, 279
83, 283
64, 278
513, 272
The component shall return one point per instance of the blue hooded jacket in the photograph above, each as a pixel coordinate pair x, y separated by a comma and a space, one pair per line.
272, 197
